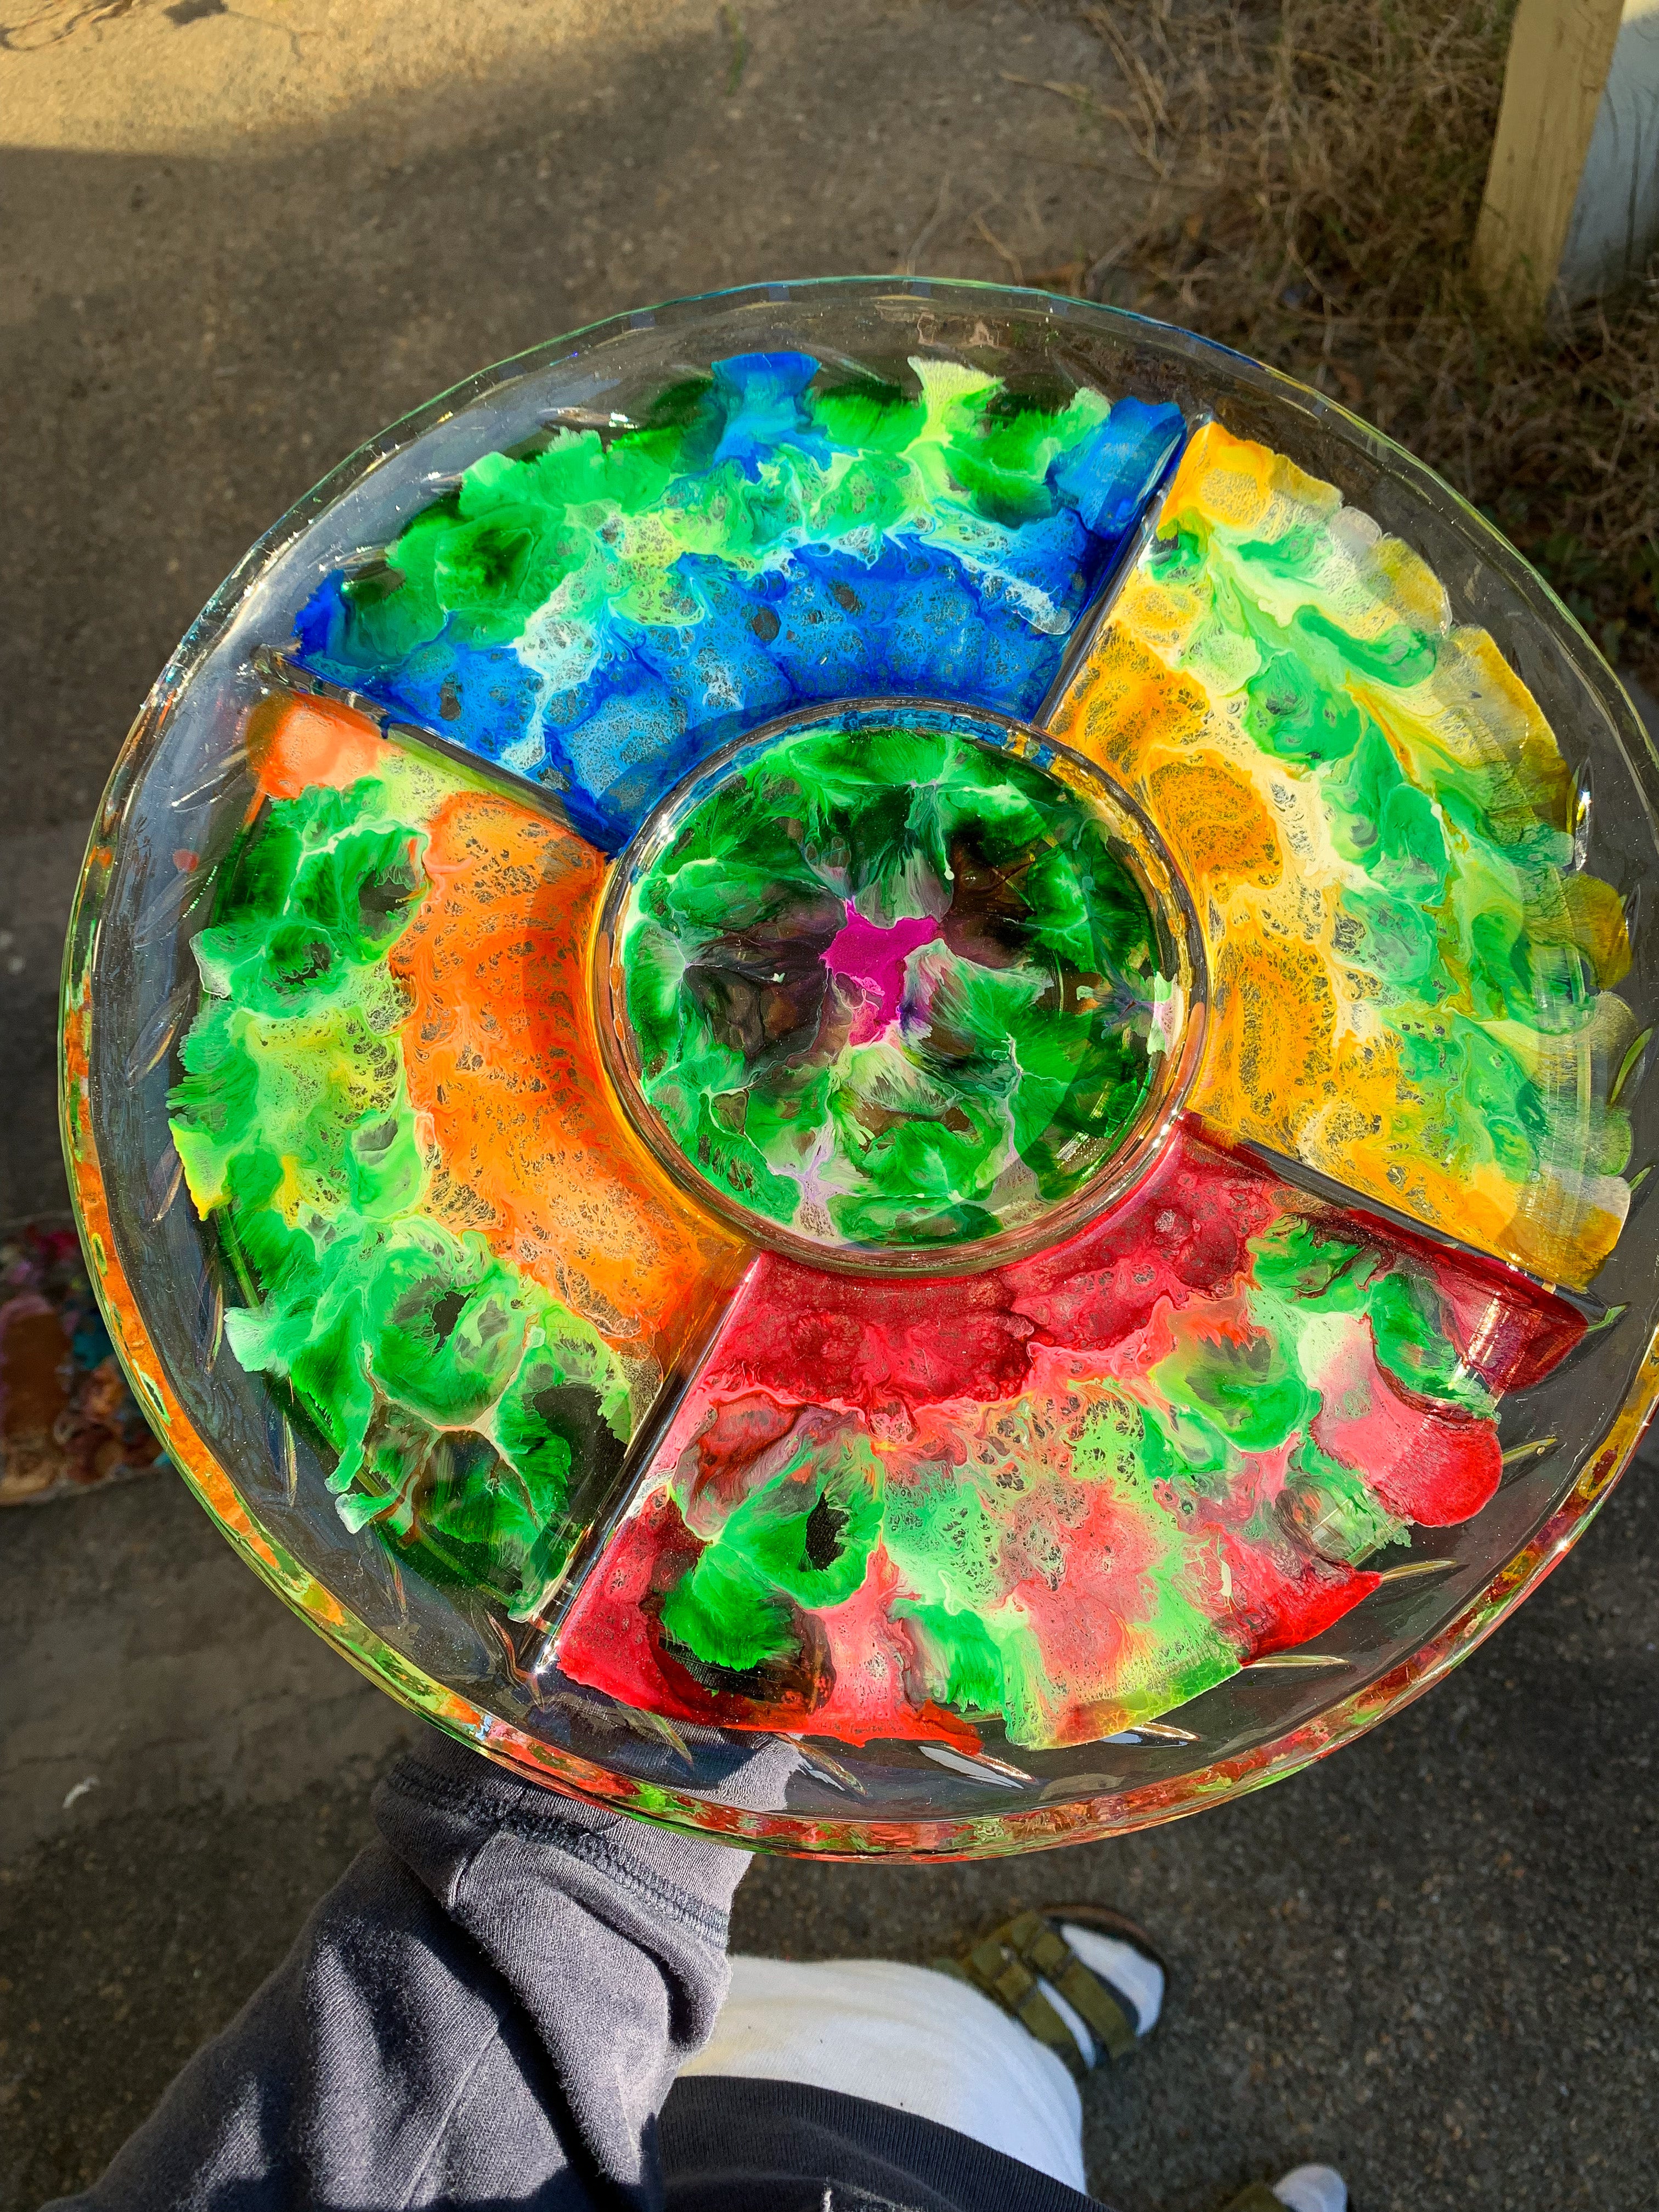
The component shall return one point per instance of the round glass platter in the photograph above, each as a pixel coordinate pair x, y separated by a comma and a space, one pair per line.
896, 1015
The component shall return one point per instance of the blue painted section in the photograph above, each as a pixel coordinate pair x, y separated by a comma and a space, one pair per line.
909, 615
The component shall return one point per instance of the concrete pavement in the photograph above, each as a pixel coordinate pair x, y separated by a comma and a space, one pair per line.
236, 243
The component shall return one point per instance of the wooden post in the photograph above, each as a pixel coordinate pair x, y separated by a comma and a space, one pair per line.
1560, 52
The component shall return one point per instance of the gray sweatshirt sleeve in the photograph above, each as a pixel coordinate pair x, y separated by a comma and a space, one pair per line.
489, 2008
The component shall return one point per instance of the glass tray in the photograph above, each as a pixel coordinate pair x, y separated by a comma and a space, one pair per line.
890, 1013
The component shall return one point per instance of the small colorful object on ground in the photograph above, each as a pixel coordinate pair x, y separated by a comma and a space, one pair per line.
856, 1015
68, 1422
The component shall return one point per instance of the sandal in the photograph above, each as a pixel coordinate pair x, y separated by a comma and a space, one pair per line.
1010, 1965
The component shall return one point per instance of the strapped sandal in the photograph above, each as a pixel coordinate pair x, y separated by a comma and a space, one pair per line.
1011, 1963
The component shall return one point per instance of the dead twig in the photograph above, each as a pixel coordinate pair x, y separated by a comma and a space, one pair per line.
907, 265
998, 248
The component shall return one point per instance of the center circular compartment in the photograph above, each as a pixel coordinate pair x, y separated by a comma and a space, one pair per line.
901, 985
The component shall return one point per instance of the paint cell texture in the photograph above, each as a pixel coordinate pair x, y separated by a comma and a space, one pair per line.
1412, 977
601, 609
1066, 1496
471, 1375
892, 986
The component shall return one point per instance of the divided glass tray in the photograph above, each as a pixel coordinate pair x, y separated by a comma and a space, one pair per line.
890, 1014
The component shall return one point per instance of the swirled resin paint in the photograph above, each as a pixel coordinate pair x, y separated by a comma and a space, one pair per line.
899, 1015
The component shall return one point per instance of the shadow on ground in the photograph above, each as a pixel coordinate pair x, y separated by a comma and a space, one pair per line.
192, 337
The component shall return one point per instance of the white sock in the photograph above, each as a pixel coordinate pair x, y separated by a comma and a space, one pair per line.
1312, 2189
1129, 1972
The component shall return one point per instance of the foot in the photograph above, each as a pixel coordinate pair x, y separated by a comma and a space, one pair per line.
1312, 2189
1304, 2189
1082, 1979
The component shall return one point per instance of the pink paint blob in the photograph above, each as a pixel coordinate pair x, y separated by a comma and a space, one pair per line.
868, 953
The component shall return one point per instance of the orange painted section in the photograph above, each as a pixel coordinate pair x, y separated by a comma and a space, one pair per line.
528, 1143
293, 743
